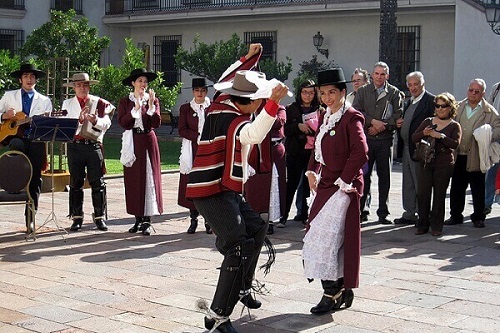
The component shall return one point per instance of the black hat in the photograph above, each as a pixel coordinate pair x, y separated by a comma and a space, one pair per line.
331, 76
199, 82
27, 68
137, 73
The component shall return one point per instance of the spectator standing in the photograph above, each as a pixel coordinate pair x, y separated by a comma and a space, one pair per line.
359, 78
473, 112
417, 108
139, 115
434, 177
489, 195
382, 104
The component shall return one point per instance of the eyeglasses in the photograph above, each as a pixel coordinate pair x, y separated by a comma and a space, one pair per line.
475, 91
310, 93
441, 106
357, 80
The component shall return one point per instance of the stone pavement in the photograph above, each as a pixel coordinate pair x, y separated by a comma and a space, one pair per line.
116, 282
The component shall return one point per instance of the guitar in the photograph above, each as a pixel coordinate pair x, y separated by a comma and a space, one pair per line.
13, 126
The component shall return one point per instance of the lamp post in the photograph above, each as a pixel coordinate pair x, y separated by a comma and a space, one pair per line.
492, 12
318, 41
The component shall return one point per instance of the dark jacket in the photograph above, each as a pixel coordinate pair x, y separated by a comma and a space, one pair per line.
295, 139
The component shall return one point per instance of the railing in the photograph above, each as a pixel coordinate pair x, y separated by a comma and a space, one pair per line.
148, 6
65, 5
12, 4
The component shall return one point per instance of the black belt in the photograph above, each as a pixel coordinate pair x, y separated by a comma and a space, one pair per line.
138, 130
85, 142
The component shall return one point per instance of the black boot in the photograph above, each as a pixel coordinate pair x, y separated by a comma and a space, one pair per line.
270, 228
249, 301
333, 294
146, 226
135, 228
77, 223
193, 226
208, 229
225, 327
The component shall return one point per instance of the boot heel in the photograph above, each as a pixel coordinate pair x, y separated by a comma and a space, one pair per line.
348, 298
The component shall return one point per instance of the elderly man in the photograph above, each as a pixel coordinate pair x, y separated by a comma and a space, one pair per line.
382, 104
473, 112
24, 103
217, 179
85, 152
416, 109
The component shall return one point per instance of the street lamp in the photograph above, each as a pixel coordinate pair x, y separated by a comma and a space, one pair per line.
318, 41
492, 12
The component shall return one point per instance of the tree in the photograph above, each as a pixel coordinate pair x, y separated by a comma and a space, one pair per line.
309, 70
211, 60
110, 79
8, 64
65, 35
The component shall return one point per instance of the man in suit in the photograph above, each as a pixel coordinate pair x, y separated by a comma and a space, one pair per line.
418, 107
28, 101
473, 112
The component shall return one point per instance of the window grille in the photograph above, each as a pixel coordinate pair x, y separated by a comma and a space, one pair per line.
11, 40
268, 41
165, 48
408, 53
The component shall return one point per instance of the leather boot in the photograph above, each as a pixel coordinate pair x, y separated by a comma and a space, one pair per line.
333, 293
225, 327
77, 223
135, 228
146, 226
193, 226
99, 222
247, 299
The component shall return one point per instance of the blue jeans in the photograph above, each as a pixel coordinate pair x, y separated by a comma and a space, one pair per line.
489, 185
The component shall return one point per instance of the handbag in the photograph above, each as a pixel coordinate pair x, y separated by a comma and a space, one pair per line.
425, 151
88, 130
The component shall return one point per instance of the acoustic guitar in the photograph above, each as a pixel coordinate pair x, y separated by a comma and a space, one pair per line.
13, 126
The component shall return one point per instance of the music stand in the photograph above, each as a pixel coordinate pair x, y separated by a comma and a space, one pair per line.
51, 129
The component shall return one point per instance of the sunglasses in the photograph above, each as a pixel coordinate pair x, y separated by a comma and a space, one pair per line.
441, 106
475, 91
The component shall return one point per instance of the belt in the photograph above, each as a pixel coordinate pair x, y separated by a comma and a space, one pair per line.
138, 130
85, 141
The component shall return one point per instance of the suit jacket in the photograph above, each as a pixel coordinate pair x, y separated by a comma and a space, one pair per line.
41, 104
425, 109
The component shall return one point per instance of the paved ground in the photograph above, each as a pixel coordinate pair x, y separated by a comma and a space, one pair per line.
116, 282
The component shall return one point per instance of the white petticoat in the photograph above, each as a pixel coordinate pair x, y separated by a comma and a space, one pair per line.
150, 204
323, 251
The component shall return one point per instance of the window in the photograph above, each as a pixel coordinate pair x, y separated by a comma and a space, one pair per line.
11, 40
146, 4
408, 53
268, 41
12, 4
65, 5
165, 49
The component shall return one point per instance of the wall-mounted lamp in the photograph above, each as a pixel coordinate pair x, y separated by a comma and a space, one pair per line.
318, 41
492, 11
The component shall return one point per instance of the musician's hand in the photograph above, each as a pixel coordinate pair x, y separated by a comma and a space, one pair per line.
84, 113
92, 118
10, 113
152, 97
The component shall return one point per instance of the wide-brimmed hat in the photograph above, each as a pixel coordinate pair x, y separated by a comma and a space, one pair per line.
241, 86
331, 76
27, 68
136, 73
199, 82
79, 77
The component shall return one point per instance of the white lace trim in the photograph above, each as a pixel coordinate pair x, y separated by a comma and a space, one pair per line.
150, 204
323, 251
329, 122
274, 197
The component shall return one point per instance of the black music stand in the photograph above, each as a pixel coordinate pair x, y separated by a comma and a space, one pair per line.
51, 129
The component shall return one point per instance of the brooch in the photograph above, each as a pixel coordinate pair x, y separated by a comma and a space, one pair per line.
195, 114
332, 132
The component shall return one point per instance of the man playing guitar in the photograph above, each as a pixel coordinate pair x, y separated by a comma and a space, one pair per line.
21, 103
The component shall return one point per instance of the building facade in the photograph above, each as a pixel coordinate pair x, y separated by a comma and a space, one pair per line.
448, 40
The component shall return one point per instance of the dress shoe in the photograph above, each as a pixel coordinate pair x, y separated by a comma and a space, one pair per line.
281, 223
270, 229
135, 227
402, 220
436, 233
478, 224
331, 303
225, 327
300, 218
364, 216
101, 225
250, 302
208, 230
384, 220
145, 228
193, 226
421, 232
77, 225
487, 210
452, 221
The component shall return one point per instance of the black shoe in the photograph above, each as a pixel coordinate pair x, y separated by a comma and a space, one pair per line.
384, 220
208, 230
135, 227
487, 210
77, 225
402, 220
146, 228
452, 221
270, 229
300, 218
250, 302
478, 224
101, 225
225, 327
193, 226
332, 303
364, 216
281, 223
